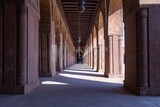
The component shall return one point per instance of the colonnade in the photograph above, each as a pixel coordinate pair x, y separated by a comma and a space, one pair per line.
105, 41
141, 54
35, 41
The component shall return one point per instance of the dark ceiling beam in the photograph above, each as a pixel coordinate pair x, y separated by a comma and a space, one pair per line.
77, 14
79, 23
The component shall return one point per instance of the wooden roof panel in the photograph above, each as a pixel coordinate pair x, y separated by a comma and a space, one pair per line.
79, 23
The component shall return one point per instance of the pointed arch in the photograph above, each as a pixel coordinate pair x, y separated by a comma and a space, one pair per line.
95, 46
101, 42
45, 14
44, 30
47, 39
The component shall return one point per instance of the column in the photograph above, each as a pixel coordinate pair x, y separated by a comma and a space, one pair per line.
88, 54
65, 55
61, 53
97, 46
92, 51
143, 48
110, 55
22, 66
106, 39
68, 53
121, 55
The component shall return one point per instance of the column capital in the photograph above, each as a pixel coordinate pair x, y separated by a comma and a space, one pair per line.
143, 12
110, 37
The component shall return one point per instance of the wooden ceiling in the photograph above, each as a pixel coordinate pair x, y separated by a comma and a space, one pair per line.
79, 23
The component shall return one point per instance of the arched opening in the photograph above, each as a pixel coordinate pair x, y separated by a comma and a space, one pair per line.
64, 49
61, 47
95, 47
115, 35
57, 41
47, 39
44, 31
91, 51
19, 37
63, 42
101, 43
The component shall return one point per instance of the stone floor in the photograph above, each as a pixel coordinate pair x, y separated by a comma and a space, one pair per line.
79, 86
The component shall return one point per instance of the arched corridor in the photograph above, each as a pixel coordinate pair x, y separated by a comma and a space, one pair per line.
58, 48
79, 86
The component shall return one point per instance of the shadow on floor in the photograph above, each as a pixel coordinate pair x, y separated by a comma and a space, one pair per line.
76, 88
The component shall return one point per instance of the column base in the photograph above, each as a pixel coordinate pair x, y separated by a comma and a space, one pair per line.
48, 74
18, 89
61, 69
144, 91
148, 91
131, 87
154, 91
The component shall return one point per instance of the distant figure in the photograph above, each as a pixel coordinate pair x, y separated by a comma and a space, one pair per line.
79, 58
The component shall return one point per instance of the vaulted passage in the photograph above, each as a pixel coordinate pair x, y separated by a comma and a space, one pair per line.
79, 86
79, 48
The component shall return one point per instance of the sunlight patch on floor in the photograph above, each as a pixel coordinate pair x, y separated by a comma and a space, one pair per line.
83, 72
93, 78
53, 83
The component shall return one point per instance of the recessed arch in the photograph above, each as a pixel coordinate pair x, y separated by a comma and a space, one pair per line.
91, 50
95, 46
45, 14
100, 20
44, 30
56, 19
101, 42
58, 41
